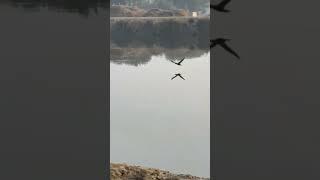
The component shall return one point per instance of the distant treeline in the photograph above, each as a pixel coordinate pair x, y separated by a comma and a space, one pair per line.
192, 5
83, 7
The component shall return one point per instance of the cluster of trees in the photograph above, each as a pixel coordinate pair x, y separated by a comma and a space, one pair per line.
191, 5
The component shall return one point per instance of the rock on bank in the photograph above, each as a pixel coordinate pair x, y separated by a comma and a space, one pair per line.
127, 172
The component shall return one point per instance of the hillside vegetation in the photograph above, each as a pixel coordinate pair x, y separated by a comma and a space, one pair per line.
132, 11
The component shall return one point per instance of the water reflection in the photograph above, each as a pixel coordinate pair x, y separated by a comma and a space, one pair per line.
140, 56
135, 40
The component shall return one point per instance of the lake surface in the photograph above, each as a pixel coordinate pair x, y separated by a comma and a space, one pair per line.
155, 121
159, 122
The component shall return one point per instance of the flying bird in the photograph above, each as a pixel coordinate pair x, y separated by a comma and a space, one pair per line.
178, 63
221, 6
222, 43
176, 75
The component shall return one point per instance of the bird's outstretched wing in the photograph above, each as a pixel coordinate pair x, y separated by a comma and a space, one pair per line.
181, 77
174, 77
172, 61
227, 48
223, 3
181, 61
212, 44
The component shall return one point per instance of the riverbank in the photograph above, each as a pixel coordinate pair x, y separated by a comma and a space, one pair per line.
126, 172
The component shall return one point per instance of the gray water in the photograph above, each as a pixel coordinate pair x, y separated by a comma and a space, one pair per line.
158, 122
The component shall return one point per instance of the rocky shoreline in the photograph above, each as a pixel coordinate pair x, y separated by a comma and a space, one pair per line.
127, 172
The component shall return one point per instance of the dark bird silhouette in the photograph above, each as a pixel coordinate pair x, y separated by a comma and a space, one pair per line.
177, 75
178, 63
222, 43
221, 6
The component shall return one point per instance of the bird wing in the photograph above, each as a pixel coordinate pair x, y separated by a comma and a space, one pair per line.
172, 61
181, 77
212, 44
181, 61
223, 3
174, 77
226, 47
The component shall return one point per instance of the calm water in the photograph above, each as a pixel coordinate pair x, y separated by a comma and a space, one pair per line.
159, 122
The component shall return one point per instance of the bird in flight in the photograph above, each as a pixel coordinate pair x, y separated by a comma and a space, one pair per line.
222, 43
178, 63
221, 6
176, 75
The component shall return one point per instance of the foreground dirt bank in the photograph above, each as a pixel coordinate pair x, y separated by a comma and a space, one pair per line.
126, 172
